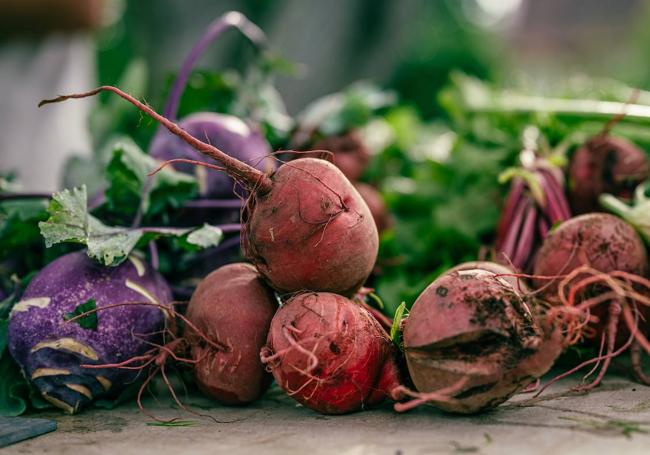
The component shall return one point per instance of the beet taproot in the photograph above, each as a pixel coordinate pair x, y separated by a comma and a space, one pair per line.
472, 332
605, 164
232, 306
307, 227
330, 354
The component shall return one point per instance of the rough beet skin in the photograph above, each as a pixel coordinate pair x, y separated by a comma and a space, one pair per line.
598, 240
307, 227
605, 164
233, 307
330, 354
311, 231
471, 332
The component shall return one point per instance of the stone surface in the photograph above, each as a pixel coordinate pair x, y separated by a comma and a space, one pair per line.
615, 418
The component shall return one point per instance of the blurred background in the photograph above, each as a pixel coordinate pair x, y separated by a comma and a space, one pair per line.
48, 47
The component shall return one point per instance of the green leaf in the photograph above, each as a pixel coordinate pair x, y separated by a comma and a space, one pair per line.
206, 236
127, 175
395, 333
70, 222
13, 388
339, 112
89, 321
637, 214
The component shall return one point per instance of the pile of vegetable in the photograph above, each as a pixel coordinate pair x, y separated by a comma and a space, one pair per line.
378, 258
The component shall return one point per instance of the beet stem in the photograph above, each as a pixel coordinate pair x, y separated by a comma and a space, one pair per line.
214, 204
213, 32
256, 179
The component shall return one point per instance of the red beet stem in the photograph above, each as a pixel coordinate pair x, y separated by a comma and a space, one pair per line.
526, 239
515, 195
254, 178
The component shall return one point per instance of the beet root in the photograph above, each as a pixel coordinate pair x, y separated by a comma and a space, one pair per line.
597, 240
330, 354
307, 227
504, 272
376, 204
605, 164
349, 152
470, 333
233, 307
312, 231
586, 264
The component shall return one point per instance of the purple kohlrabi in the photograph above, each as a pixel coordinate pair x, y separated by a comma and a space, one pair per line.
51, 347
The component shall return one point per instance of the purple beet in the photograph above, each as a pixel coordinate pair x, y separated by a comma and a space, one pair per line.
51, 349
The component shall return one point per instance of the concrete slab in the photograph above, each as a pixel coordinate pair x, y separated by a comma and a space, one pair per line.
615, 418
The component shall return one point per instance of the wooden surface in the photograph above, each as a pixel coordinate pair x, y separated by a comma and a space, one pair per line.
613, 419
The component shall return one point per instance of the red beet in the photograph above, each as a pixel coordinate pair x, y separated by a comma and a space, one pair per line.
307, 227
471, 332
605, 164
349, 153
598, 240
330, 354
233, 307
375, 203
596, 256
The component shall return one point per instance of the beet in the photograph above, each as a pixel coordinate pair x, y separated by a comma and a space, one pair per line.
50, 351
496, 268
233, 307
587, 254
296, 232
375, 203
471, 331
349, 153
330, 354
605, 164
598, 240
307, 227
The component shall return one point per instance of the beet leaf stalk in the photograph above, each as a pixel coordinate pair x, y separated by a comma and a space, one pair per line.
246, 174
535, 203
213, 32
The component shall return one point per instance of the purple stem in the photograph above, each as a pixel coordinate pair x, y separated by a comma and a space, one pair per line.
214, 204
553, 208
231, 227
544, 227
510, 242
556, 187
153, 252
525, 239
512, 203
214, 30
